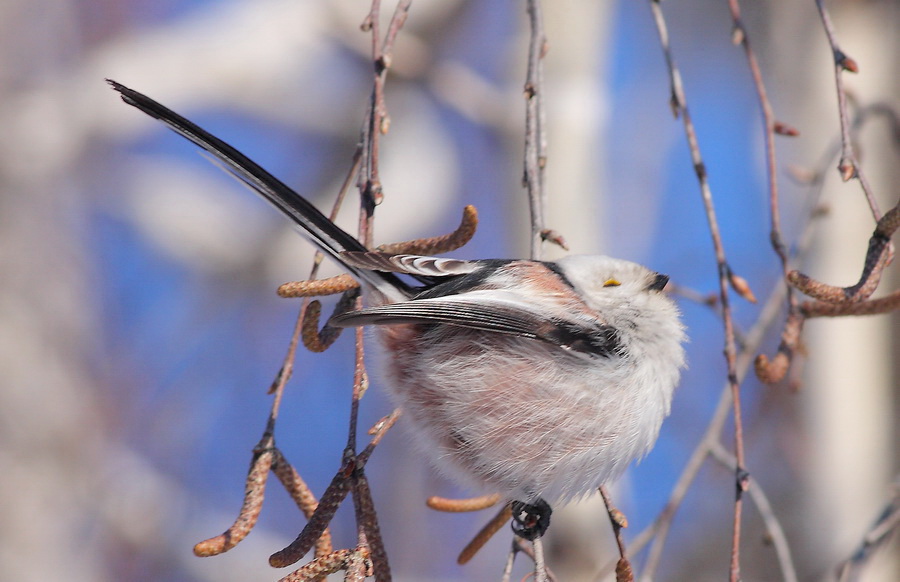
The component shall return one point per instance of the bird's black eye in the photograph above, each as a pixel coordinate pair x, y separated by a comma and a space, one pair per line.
611, 283
659, 281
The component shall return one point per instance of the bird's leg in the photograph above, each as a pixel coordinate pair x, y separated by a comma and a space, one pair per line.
530, 520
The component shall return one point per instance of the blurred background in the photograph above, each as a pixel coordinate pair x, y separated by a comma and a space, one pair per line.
139, 328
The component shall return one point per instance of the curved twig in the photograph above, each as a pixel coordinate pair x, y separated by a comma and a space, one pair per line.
877, 257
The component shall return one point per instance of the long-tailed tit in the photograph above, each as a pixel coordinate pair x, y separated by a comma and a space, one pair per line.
538, 380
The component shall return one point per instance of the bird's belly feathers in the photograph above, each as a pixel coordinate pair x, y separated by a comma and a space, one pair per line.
494, 420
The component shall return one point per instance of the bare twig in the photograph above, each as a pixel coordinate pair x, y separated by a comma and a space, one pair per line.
775, 370
710, 300
848, 166
378, 121
878, 306
510, 560
617, 519
680, 108
773, 525
529, 551
550, 235
540, 566
535, 140
369, 185
658, 531
879, 534
771, 126
351, 477
377, 433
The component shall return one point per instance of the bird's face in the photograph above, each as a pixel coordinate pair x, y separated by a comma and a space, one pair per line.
606, 281
627, 296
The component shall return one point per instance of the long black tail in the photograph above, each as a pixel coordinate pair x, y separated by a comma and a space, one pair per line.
314, 225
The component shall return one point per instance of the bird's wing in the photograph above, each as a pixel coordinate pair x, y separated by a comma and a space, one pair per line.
498, 312
415, 265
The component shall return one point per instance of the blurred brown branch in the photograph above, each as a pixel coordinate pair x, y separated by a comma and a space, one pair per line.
828, 300
678, 102
884, 528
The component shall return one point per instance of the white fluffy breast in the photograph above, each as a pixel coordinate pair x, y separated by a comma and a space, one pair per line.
516, 416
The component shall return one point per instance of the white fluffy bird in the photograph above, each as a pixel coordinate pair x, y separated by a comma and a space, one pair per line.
537, 380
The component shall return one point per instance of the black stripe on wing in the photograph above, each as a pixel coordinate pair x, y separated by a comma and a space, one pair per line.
583, 337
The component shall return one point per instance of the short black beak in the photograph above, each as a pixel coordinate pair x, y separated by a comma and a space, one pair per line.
659, 282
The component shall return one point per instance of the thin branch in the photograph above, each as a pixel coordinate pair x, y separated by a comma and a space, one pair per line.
770, 126
377, 433
878, 306
771, 371
680, 107
378, 121
848, 166
350, 477
370, 189
510, 560
877, 536
540, 566
535, 140
527, 549
773, 525
617, 519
